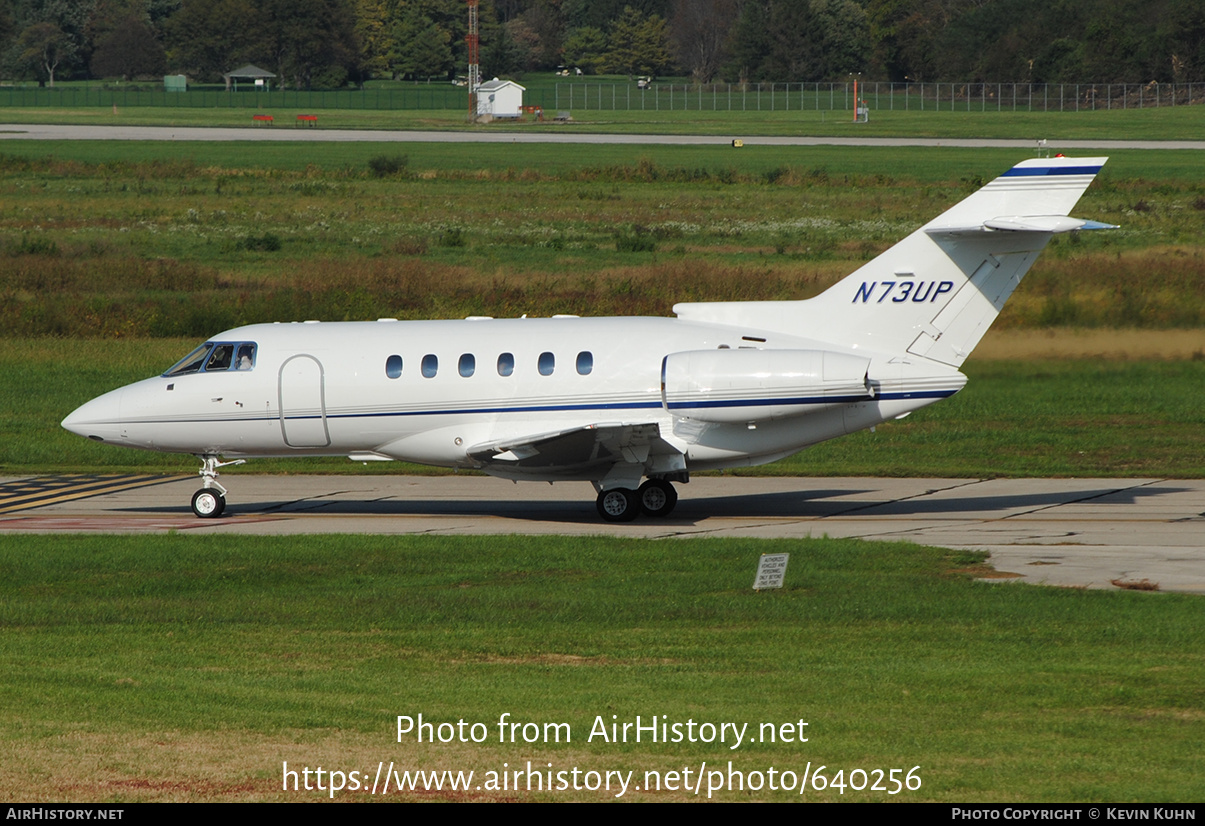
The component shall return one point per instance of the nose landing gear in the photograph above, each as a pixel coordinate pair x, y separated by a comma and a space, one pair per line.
210, 501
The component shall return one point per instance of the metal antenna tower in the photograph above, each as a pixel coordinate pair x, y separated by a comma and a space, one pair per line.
473, 38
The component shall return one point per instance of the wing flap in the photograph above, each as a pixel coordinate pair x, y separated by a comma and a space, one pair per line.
575, 449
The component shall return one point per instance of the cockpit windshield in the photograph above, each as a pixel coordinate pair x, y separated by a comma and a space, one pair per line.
216, 357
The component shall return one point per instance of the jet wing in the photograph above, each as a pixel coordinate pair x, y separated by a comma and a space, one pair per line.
576, 449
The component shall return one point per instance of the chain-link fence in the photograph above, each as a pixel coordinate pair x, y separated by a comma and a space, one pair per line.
933, 97
656, 96
421, 96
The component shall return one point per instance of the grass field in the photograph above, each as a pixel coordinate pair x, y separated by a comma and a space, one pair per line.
161, 240
191, 668
1164, 123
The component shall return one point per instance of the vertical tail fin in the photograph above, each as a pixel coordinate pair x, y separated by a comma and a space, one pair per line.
935, 293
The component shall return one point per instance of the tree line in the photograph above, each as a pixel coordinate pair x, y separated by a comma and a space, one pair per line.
333, 43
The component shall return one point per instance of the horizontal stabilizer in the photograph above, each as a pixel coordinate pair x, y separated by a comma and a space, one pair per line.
1053, 224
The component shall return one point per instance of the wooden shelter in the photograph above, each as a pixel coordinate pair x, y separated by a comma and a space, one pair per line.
258, 76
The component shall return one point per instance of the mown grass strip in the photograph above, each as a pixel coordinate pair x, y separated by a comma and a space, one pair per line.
1151, 123
890, 653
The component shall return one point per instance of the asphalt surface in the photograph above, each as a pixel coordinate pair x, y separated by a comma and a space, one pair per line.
287, 133
1091, 533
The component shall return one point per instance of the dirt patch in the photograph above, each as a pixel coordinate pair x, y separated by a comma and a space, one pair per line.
1117, 345
1135, 584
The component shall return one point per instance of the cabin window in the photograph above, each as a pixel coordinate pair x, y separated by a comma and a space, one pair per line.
467, 365
547, 364
393, 367
506, 364
430, 366
585, 362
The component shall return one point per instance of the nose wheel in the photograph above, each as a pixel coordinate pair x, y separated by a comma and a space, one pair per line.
210, 500
208, 503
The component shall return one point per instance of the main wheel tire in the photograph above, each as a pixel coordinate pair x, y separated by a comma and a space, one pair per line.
618, 505
657, 498
208, 504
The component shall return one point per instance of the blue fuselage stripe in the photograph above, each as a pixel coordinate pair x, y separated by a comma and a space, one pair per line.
552, 408
932, 394
1032, 171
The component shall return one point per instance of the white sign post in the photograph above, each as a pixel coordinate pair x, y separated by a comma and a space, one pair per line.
771, 569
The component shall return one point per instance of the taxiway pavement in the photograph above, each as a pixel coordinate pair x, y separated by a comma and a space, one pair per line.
1093, 533
94, 132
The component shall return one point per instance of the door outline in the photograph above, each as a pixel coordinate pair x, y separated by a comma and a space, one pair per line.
304, 435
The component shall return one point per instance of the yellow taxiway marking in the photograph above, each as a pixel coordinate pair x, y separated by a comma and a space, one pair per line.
38, 491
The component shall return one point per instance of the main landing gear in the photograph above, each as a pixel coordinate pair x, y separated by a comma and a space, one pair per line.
656, 497
210, 500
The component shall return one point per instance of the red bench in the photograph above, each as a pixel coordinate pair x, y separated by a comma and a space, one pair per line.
307, 120
258, 119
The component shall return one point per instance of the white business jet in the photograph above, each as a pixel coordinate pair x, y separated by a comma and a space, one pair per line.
611, 401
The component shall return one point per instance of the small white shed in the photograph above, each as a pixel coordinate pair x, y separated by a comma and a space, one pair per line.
500, 99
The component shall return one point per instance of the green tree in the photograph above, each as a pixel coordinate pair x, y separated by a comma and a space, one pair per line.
50, 37
920, 33
749, 43
585, 49
601, 14
844, 38
311, 42
504, 53
699, 30
420, 47
372, 33
639, 45
209, 37
44, 46
795, 46
544, 20
1181, 40
127, 50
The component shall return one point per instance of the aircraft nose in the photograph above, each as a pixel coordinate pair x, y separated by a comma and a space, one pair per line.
99, 419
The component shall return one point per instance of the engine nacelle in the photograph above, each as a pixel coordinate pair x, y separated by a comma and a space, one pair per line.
755, 385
